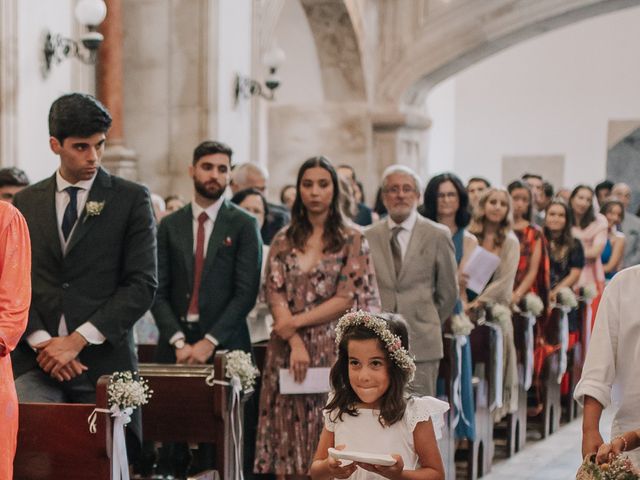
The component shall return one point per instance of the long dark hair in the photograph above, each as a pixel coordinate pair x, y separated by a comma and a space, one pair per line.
589, 216
300, 228
560, 246
394, 402
239, 197
519, 184
430, 206
606, 206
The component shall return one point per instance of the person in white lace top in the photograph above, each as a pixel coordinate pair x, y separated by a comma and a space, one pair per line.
369, 410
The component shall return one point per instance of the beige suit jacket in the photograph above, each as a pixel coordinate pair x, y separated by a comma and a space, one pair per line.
426, 290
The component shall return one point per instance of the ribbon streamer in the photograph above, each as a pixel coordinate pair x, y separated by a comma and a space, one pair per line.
564, 341
119, 460
528, 336
498, 366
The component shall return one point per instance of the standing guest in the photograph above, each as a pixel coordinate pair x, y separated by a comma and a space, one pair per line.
629, 224
318, 268
564, 194
94, 264
251, 175
610, 372
603, 191
363, 216
613, 253
566, 257
591, 229
545, 199
209, 258
446, 202
288, 196
533, 266
536, 185
15, 295
475, 188
159, 207
379, 209
348, 204
174, 203
12, 180
416, 271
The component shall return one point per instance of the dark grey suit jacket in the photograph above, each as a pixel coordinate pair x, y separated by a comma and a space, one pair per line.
230, 277
107, 276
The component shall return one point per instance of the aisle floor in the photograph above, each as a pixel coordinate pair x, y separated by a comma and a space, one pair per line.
556, 458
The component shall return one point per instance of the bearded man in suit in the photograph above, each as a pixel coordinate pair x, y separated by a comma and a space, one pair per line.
94, 263
416, 271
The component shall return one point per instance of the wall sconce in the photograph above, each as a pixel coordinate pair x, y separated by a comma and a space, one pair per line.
56, 47
246, 87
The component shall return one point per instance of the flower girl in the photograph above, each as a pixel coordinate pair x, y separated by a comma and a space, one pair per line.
369, 410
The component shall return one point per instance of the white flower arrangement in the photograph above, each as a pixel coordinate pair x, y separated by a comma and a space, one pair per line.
567, 298
461, 325
533, 304
589, 292
393, 343
500, 314
240, 365
127, 392
94, 208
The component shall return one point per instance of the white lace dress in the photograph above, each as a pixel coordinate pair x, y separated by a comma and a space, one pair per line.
365, 434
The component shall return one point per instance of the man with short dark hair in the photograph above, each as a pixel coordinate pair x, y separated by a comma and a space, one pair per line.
94, 263
603, 191
475, 187
12, 180
541, 206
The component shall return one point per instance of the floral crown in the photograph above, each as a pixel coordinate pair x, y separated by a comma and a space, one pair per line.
393, 343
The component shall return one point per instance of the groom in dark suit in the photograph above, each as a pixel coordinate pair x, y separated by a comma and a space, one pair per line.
94, 263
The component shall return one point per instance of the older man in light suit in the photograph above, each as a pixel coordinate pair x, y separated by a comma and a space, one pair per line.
416, 271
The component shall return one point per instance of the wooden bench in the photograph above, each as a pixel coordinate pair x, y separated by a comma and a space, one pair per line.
184, 408
54, 441
575, 360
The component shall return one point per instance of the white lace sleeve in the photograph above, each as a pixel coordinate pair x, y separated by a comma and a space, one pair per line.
421, 409
328, 423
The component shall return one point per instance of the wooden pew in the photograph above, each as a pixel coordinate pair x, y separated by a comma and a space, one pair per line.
54, 441
446, 376
575, 359
184, 408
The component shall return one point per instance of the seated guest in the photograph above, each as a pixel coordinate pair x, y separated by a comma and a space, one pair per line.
12, 180
566, 257
318, 268
251, 175
533, 267
613, 253
475, 188
288, 196
259, 319
209, 258
416, 270
629, 225
363, 213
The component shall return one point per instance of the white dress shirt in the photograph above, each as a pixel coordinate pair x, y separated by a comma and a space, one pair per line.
611, 373
90, 333
212, 213
404, 235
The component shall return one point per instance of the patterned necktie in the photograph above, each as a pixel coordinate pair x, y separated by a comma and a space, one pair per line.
396, 251
71, 212
199, 262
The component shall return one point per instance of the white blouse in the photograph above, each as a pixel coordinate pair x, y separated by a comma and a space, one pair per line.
364, 433
612, 365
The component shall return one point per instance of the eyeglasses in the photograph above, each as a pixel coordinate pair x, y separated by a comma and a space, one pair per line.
444, 195
396, 189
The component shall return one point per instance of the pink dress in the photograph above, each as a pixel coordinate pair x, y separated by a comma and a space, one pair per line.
15, 297
289, 425
596, 232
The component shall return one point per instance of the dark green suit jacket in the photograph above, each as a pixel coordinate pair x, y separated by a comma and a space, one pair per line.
229, 283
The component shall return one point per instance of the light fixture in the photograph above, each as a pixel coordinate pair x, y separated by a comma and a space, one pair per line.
90, 13
246, 87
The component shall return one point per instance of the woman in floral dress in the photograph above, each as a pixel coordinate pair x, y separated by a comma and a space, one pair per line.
318, 268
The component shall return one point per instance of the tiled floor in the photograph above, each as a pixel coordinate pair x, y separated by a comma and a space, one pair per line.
556, 458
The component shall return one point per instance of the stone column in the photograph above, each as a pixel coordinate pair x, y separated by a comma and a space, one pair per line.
118, 159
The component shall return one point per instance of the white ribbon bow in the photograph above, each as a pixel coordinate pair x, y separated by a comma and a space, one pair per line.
119, 460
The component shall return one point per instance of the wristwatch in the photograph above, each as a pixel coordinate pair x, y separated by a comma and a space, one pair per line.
178, 344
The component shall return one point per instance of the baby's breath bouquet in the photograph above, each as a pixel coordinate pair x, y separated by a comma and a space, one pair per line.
240, 365
619, 468
125, 391
567, 298
500, 314
589, 292
461, 325
533, 304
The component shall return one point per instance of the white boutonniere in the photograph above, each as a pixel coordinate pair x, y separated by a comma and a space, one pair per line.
94, 208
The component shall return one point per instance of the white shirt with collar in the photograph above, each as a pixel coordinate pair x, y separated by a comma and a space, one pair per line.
90, 333
212, 212
405, 234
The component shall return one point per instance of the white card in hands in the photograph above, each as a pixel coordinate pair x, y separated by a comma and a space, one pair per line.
316, 381
363, 457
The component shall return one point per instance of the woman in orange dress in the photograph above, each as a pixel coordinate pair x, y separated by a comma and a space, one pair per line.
15, 297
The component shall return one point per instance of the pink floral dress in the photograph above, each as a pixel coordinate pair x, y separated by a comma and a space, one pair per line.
289, 425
